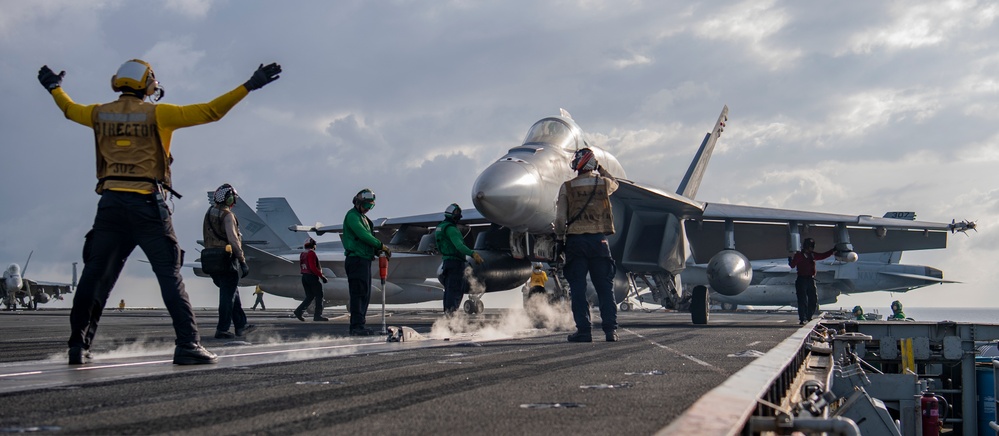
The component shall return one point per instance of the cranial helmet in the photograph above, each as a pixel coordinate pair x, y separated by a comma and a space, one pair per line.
896, 306
584, 160
537, 266
136, 76
453, 212
857, 310
309, 243
808, 243
225, 194
365, 199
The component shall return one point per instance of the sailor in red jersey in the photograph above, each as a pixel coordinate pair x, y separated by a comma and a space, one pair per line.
804, 285
312, 273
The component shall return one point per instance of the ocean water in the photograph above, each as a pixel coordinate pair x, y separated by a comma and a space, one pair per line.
959, 314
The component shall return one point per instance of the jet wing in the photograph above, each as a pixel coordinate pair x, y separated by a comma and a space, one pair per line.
251, 252
638, 197
762, 233
429, 220
51, 288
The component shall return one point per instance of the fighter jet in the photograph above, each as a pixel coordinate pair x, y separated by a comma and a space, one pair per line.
655, 228
773, 280
272, 253
16, 289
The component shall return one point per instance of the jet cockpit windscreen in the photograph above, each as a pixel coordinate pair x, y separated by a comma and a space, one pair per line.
554, 132
13, 270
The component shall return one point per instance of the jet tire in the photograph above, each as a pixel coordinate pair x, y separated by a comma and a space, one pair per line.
699, 305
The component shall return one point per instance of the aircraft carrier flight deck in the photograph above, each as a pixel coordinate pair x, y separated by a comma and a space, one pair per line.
290, 377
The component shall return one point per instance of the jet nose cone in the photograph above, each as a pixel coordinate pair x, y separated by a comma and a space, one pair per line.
506, 194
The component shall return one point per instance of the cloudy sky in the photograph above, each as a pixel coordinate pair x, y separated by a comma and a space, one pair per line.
842, 107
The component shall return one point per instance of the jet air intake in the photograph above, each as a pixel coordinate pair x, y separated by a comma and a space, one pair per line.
729, 272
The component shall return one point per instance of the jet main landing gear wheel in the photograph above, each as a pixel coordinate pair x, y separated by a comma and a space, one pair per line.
699, 305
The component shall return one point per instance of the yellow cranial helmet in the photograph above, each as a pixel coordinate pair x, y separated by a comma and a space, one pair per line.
135, 75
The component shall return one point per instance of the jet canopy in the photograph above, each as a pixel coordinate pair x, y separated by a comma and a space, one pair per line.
554, 131
13, 270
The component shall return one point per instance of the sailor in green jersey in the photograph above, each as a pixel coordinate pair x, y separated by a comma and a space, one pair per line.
360, 247
453, 249
896, 310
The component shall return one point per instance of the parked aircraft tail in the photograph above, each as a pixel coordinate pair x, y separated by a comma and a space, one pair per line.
279, 216
692, 180
255, 230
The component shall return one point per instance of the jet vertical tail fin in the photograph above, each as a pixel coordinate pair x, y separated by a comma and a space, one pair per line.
255, 230
692, 180
279, 216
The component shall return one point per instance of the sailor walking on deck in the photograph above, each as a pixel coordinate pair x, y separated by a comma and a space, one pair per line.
259, 293
312, 273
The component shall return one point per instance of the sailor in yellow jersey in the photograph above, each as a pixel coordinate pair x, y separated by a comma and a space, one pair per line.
133, 175
538, 279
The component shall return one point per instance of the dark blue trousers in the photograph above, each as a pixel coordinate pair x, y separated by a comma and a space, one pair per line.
359, 287
313, 293
125, 220
590, 254
455, 286
230, 309
808, 298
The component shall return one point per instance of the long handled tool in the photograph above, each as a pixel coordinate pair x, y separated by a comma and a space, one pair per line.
383, 274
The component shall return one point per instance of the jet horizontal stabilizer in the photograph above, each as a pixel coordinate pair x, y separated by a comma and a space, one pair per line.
264, 255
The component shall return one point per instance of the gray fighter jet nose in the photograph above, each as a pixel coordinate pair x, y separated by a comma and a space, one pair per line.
506, 193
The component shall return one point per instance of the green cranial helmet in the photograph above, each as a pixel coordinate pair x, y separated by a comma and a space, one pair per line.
365, 199
453, 212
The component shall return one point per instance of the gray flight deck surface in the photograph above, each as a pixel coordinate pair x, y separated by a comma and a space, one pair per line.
310, 378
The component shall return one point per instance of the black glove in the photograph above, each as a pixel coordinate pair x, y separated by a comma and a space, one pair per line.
324, 279
263, 76
49, 79
243, 270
